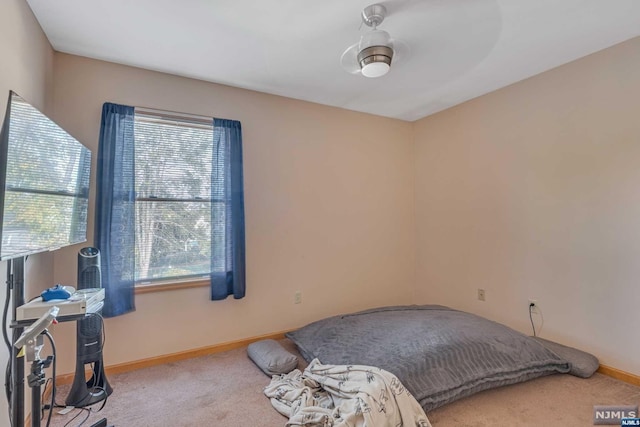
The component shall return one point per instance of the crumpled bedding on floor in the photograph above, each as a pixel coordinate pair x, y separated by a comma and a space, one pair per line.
344, 396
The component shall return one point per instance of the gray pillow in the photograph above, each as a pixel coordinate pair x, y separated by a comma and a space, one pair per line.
583, 364
271, 357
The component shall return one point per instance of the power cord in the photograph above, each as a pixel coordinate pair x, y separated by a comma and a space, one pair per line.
53, 404
531, 305
77, 415
8, 380
8, 377
88, 411
53, 376
5, 312
538, 311
96, 379
46, 405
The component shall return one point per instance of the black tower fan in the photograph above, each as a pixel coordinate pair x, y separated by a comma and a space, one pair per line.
89, 340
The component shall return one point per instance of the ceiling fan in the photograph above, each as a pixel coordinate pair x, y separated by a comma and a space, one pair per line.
373, 54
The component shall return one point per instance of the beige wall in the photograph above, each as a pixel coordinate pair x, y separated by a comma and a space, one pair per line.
528, 192
27, 69
329, 210
27, 64
533, 191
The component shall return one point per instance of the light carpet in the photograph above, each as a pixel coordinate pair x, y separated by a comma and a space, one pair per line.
225, 390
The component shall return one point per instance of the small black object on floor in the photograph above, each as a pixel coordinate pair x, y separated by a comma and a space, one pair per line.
100, 423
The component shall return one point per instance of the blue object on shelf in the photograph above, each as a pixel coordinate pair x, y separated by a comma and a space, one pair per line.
57, 292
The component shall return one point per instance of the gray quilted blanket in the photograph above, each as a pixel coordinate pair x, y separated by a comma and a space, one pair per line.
439, 354
344, 396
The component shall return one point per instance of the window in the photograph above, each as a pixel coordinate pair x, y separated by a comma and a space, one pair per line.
173, 160
169, 203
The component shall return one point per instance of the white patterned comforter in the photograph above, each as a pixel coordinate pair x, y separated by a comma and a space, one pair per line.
344, 396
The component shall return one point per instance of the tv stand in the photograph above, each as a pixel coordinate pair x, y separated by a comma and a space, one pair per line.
15, 282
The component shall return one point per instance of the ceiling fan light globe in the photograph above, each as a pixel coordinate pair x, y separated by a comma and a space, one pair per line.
375, 69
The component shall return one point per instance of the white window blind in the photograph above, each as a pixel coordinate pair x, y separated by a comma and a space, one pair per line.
173, 160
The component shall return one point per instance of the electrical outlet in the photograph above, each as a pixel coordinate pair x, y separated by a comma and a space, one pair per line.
297, 297
480, 294
533, 309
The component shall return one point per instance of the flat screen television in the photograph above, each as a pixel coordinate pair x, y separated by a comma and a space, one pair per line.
44, 183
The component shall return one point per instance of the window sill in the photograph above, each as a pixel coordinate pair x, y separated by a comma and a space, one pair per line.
171, 286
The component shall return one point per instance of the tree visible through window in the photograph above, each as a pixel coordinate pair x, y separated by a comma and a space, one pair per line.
173, 160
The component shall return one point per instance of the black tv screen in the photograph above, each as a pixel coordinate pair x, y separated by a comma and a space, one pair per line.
44, 183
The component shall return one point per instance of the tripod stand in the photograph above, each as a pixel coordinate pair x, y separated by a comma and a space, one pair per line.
31, 342
36, 378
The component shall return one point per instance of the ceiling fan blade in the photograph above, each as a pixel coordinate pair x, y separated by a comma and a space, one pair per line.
349, 59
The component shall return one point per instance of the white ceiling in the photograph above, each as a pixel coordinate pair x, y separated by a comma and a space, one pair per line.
459, 49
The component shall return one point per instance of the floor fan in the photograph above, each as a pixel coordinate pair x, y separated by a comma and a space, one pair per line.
85, 392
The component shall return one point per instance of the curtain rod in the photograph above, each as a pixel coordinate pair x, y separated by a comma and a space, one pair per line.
173, 115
